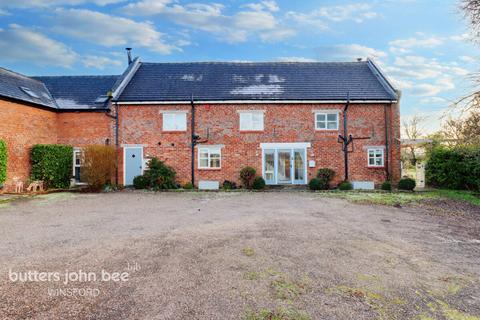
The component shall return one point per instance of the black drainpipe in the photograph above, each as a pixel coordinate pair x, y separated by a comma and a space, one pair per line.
117, 140
387, 164
194, 139
115, 117
345, 136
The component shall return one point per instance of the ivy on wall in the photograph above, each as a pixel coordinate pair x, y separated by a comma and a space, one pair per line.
3, 161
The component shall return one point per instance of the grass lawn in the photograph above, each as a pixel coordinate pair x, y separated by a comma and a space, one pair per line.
400, 198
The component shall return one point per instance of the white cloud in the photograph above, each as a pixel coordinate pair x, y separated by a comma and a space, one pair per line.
432, 89
21, 44
349, 52
25, 4
4, 12
461, 37
319, 17
99, 62
357, 12
263, 5
110, 31
295, 59
468, 59
433, 100
402, 46
255, 20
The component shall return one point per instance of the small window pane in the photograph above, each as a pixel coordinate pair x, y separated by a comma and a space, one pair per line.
214, 163
320, 117
332, 117
332, 125
204, 163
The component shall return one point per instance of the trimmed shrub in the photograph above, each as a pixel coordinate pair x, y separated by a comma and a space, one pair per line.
454, 168
3, 161
52, 164
229, 185
140, 182
316, 184
387, 186
325, 176
247, 175
345, 185
188, 186
407, 184
160, 176
258, 183
99, 164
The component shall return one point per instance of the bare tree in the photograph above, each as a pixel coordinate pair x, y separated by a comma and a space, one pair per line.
471, 8
463, 130
413, 129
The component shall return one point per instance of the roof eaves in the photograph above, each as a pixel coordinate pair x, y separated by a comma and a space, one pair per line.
382, 78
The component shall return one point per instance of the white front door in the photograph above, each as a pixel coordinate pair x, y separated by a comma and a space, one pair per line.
284, 163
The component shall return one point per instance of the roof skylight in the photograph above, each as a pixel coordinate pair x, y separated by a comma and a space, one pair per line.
30, 92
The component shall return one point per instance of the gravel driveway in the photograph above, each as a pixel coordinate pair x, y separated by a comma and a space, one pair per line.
235, 256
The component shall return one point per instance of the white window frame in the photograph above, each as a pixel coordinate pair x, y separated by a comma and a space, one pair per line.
75, 151
325, 113
178, 117
375, 150
251, 113
209, 150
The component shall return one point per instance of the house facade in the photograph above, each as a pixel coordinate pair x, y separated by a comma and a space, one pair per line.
210, 120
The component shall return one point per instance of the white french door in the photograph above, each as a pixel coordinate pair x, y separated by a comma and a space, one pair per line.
284, 163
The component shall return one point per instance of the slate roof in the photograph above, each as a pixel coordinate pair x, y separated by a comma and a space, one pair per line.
79, 92
17, 86
212, 81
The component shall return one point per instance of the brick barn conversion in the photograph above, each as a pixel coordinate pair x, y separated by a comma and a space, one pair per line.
287, 120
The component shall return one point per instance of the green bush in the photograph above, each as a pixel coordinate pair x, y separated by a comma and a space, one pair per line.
229, 185
140, 182
407, 184
52, 164
345, 185
247, 175
315, 184
258, 183
188, 186
160, 176
387, 186
325, 175
3, 161
454, 168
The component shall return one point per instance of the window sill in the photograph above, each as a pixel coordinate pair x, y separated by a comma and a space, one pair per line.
374, 167
209, 169
174, 131
252, 131
326, 129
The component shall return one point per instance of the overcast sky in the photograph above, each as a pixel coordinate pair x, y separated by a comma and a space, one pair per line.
423, 46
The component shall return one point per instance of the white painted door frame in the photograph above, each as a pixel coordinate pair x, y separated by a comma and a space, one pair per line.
290, 147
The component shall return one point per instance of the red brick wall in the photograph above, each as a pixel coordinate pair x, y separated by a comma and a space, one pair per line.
23, 126
142, 124
83, 128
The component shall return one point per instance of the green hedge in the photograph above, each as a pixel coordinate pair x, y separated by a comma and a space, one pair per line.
3, 161
454, 168
52, 164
